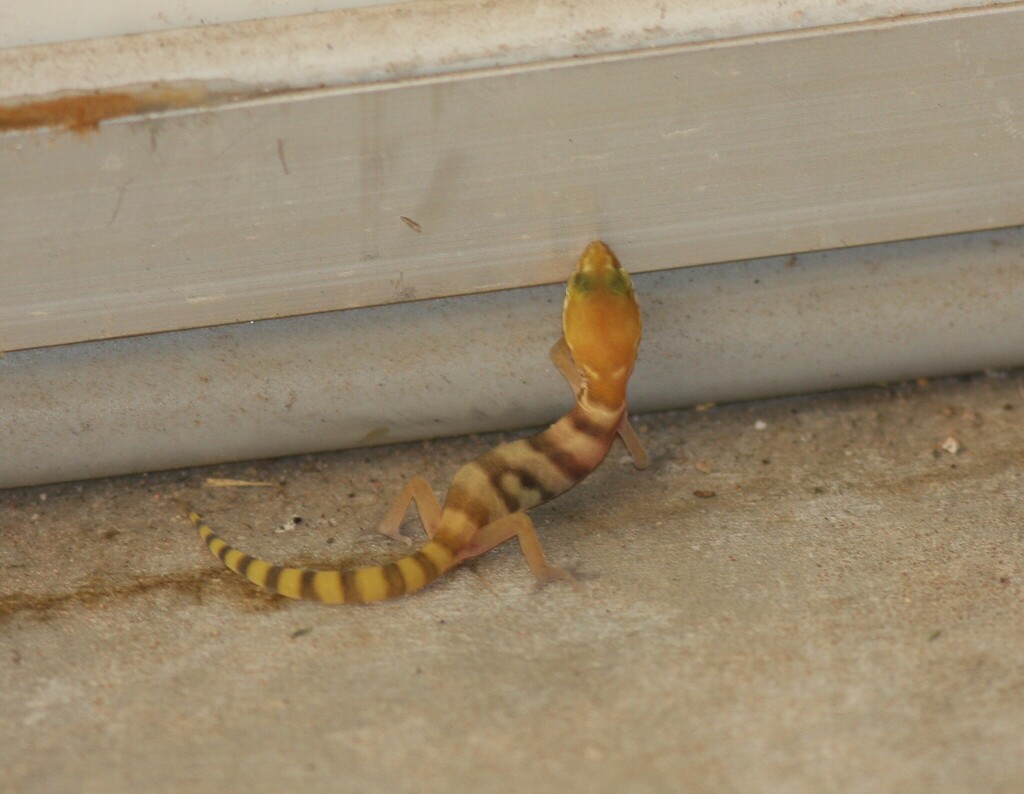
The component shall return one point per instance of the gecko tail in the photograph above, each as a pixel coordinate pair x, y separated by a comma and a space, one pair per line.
353, 586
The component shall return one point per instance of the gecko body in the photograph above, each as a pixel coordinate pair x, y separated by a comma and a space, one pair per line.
488, 497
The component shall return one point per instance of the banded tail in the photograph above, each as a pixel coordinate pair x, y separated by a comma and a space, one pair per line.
353, 586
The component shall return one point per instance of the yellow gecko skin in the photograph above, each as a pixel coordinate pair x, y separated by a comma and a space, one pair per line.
488, 497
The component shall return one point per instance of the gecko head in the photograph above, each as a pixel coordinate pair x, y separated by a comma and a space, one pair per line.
601, 322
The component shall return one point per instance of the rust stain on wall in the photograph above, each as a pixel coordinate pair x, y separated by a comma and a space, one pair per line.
83, 113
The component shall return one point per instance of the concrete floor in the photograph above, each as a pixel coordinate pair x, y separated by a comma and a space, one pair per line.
801, 595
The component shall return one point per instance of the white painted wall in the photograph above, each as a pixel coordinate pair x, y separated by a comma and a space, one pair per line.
433, 368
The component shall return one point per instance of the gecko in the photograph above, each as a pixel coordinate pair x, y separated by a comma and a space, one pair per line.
488, 497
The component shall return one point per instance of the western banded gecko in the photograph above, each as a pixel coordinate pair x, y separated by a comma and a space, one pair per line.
488, 497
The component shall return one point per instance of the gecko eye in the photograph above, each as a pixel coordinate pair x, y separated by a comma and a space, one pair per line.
581, 283
619, 282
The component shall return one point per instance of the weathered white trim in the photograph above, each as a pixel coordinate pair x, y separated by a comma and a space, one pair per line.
371, 194
401, 40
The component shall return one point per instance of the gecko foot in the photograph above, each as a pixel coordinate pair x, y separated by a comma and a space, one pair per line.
395, 534
551, 573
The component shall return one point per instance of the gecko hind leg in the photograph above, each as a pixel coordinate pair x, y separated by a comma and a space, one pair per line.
419, 491
520, 525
